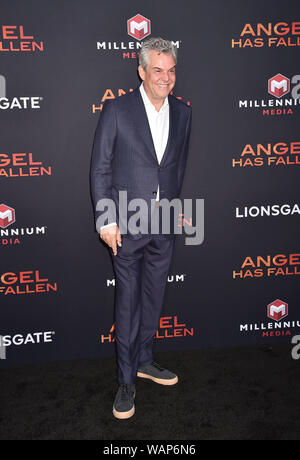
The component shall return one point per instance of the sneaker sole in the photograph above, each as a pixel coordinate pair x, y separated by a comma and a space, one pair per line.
160, 381
124, 415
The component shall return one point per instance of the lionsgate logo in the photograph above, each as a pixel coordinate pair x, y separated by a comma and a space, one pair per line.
139, 28
277, 311
17, 102
275, 210
33, 338
10, 236
277, 86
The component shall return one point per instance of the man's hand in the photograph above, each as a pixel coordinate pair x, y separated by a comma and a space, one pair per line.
112, 237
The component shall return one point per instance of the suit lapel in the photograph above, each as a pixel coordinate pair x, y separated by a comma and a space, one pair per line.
142, 124
172, 127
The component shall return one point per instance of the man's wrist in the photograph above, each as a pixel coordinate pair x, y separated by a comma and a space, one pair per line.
106, 226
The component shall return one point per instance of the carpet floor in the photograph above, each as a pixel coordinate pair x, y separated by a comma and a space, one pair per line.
248, 393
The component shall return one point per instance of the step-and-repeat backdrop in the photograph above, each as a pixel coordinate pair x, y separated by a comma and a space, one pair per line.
238, 67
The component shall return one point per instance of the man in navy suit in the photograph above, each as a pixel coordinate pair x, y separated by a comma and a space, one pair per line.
140, 147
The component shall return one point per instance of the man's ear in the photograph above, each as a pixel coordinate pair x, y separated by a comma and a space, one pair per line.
141, 72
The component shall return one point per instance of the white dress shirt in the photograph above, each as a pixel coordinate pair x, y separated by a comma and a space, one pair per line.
159, 127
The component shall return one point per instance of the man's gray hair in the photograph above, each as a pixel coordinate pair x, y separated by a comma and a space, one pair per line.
156, 44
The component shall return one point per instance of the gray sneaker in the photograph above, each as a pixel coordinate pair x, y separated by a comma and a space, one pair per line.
124, 401
158, 374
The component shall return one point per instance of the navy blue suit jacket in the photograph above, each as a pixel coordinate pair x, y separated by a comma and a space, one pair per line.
124, 156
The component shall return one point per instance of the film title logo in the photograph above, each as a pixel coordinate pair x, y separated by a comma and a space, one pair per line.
278, 86
7, 216
139, 27
25, 282
20, 102
113, 94
276, 311
278, 154
14, 165
280, 34
268, 266
169, 327
10, 236
14, 39
108, 95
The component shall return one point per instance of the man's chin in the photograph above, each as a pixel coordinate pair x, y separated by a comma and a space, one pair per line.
163, 92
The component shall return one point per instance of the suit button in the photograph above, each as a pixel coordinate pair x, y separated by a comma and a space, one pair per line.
159, 168
154, 193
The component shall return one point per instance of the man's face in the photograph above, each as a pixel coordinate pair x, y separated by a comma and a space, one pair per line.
159, 77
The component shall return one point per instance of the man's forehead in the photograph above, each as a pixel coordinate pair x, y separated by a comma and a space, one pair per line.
162, 60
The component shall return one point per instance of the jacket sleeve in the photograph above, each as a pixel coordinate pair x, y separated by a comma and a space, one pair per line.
102, 159
184, 152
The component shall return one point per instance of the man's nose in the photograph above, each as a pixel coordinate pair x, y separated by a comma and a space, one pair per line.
165, 77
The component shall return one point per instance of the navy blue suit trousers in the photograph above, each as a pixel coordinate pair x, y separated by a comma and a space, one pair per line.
141, 270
